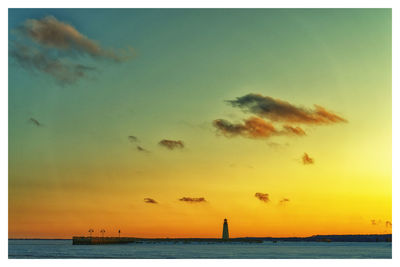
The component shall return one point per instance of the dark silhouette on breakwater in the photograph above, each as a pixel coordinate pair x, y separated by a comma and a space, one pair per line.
84, 240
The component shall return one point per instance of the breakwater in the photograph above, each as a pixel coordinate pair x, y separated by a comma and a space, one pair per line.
86, 240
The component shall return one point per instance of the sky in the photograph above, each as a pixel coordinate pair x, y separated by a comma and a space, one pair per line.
163, 122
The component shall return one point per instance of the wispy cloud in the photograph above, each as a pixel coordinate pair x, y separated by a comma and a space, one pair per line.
63, 71
283, 201
141, 149
171, 144
307, 160
375, 222
193, 199
35, 122
254, 127
278, 110
262, 196
294, 130
51, 46
150, 200
52, 33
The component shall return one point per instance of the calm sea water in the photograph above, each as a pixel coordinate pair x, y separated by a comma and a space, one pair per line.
63, 249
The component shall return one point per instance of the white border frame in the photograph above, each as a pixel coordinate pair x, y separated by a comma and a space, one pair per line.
197, 4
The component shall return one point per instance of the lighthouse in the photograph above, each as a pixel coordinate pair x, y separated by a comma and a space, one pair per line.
225, 232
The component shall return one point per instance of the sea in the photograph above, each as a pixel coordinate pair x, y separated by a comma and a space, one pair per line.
63, 249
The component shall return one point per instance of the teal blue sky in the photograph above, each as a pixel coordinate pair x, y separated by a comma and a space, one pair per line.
192, 60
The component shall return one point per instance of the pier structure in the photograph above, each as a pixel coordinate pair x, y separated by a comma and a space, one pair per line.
86, 240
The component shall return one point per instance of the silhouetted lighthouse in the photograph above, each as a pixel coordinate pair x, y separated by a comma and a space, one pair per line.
225, 232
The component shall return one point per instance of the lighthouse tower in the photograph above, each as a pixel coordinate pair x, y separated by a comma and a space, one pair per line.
225, 232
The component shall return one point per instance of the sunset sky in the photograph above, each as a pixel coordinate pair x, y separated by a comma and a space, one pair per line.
162, 123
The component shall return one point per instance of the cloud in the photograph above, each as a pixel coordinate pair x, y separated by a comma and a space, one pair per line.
284, 200
64, 72
254, 127
48, 45
278, 110
388, 224
150, 200
262, 197
35, 122
141, 149
132, 138
294, 130
307, 159
52, 33
193, 199
171, 144
376, 222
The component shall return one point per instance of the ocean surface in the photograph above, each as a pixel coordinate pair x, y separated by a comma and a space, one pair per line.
63, 249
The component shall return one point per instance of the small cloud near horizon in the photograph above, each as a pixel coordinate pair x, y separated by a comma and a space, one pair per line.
193, 199
284, 200
376, 222
262, 196
150, 200
172, 144
307, 160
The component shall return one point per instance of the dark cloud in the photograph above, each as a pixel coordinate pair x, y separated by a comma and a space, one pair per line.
193, 199
48, 45
254, 127
284, 200
64, 72
132, 138
141, 149
307, 159
171, 144
388, 224
35, 122
262, 196
278, 110
150, 200
52, 33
